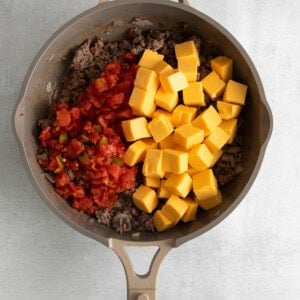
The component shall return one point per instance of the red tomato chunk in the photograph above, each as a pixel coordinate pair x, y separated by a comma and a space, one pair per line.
83, 145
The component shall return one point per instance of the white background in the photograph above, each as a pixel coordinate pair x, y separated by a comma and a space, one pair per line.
253, 254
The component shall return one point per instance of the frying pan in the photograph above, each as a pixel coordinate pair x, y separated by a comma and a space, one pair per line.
47, 68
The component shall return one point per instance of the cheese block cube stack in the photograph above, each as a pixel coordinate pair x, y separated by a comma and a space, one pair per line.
177, 136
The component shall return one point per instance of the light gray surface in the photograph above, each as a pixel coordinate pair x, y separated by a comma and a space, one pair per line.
253, 254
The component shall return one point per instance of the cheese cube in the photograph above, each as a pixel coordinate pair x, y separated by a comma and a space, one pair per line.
208, 120
175, 161
205, 185
168, 142
146, 79
165, 100
210, 202
193, 94
173, 82
142, 102
145, 199
187, 49
162, 192
230, 126
151, 182
217, 139
161, 222
183, 114
136, 152
235, 92
174, 208
216, 156
200, 157
150, 58
150, 143
191, 211
160, 127
188, 66
162, 112
223, 66
187, 136
179, 184
192, 171
213, 85
163, 68
135, 129
152, 166
228, 110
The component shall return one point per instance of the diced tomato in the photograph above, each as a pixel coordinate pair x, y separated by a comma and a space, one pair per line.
113, 67
62, 179
75, 148
116, 100
85, 205
114, 170
63, 117
45, 135
75, 113
83, 144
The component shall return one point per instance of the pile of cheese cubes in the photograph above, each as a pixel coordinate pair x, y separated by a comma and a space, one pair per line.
178, 148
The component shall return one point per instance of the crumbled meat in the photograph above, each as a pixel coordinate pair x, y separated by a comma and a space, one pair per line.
121, 222
83, 57
230, 163
124, 216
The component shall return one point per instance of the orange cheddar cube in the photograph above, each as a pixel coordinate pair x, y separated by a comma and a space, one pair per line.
213, 85
174, 208
168, 142
204, 185
215, 157
211, 202
146, 79
163, 68
190, 213
208, 120
188, 66
193, 94
235, 92
166, 100
151, 182
135, 129
161, 221
179, 184
142, 102
174, 82
136, 152
187, 136
183, 114
217, 139
223, 66
162, 192
175, 161
200, 157
228, 110
152, 166
187, 49
230, 126
162, 112
150, 58
160, 128
145, 199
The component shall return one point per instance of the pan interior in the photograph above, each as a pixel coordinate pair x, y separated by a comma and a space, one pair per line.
50, 66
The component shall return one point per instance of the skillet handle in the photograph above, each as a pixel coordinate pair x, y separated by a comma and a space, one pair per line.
186, 2
141, 287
